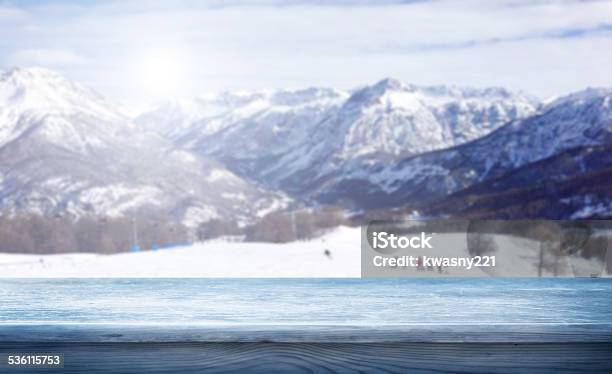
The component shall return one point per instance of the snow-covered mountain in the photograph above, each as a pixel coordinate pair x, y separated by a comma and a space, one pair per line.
308, 141
245, 130
396, 119
65, 150
383, 123
574, 184
582, 119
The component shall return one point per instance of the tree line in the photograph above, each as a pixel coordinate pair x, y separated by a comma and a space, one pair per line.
35, 234
278, 227
32, 233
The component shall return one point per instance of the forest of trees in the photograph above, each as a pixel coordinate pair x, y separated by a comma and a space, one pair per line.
278, 227
282, 227
31, 233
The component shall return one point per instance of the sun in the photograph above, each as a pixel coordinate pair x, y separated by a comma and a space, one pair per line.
163, 73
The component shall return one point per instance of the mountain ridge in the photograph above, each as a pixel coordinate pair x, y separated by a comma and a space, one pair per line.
297, 148
87, 158
64, 149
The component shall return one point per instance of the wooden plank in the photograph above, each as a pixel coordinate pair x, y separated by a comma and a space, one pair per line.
265, 357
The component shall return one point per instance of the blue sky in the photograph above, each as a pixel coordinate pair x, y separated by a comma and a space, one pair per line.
136, 51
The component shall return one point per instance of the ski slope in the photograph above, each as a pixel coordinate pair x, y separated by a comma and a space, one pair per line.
515, 257
215, 258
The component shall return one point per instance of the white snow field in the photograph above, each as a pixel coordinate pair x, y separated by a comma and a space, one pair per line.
215, 258
516, 257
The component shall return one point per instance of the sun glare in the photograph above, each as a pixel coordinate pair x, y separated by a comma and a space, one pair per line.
163, 73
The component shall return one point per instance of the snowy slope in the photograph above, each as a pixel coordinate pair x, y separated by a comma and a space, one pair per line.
216, 258
397, 119
381, 124
65, 150
219, 258
32, 95
572, 184
308, 141
245, 130
207, 114
578, 120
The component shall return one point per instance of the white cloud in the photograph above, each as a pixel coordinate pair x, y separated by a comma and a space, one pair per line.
543, 47
10, 14
45, 57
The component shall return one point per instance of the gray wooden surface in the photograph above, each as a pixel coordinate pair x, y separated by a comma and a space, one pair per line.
265, 357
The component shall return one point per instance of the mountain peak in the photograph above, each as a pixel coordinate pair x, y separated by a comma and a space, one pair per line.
389, 84
43, 90
375, 92
26, 79
582, 97
30, 73
592, 105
